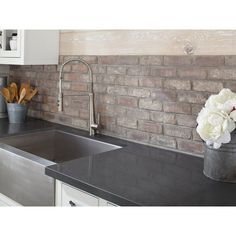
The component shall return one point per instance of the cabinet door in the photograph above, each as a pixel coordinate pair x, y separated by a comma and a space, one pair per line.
5, 50
74, 197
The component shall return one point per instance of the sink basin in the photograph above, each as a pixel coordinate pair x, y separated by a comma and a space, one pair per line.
58, 146
23, 159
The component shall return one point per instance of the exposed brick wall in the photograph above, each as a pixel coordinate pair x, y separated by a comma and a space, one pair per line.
150, 99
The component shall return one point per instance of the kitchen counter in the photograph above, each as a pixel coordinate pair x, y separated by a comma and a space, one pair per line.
142, 175
31, 124
134, 174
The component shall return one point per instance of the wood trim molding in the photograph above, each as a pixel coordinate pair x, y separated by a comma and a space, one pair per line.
148, 42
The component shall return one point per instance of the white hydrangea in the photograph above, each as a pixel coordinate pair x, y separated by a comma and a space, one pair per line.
217, 119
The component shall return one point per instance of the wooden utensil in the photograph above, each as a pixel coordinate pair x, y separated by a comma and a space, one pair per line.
31, 95
6, 94
12, 93
26, 86
14, 86
22, 95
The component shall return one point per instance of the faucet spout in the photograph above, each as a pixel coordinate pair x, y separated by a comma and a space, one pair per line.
93, 126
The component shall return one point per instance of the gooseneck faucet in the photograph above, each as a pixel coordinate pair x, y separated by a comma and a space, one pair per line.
93, 126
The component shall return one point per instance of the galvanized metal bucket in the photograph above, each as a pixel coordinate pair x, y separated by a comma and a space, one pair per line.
220, 164
16, 112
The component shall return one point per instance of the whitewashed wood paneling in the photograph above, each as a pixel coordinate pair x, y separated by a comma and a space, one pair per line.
147, 42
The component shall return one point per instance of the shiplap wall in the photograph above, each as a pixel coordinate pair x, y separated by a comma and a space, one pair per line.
147, 42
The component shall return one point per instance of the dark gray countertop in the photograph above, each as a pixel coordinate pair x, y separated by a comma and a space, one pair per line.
31, 124
135, 174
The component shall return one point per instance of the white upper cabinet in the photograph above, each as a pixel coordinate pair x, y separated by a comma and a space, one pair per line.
29, 47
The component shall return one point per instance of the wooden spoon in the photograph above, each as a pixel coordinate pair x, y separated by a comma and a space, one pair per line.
12, 93
31, 95
6, 94
22, 95
26, 86
14, 86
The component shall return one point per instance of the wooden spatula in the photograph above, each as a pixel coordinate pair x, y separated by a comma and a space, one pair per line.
22, 95
6, 94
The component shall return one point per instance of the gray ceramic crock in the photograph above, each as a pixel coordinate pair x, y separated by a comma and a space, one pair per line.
16, 112
220, 164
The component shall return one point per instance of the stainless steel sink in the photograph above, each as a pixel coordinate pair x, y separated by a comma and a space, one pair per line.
23, 159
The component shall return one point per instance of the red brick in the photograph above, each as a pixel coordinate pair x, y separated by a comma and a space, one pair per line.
164, 95
79, 123
163, 72
163, 141
127, 101
98, 69
190, 146
138, 136
149, 126
225, 74
208, 86
138, 92
177, 107
138, 70
197, 73
169, 118
177, 60
127, 80
192, 97
105, 98
177, 131
127, 122
81, 68
118, 60
148, 81
177, 84
117, 90
150, 104
51, 68
157, 116
186, 120
138, 113
151, 60
80, 87
230, 60
37, 67
116, 70
209, 60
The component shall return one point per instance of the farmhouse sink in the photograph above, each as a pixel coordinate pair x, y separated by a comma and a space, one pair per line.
58, 146
23, 159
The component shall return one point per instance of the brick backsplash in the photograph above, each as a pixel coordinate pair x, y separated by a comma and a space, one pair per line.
149, 99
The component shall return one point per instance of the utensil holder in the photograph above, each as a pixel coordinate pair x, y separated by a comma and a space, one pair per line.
16, 112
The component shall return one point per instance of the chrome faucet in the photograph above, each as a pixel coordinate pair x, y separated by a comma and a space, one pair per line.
93, 126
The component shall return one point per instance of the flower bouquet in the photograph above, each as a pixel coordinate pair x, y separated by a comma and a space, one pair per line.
216, 123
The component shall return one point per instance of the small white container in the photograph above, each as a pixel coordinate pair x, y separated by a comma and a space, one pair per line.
13, 43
